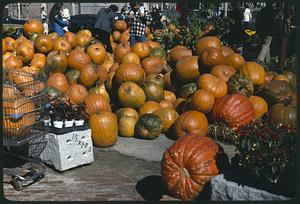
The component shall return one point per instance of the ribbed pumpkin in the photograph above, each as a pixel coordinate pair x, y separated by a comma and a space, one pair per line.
9, 43
97, 53
72, 76
13, 127
171, 81
131, 95
124, 38
25, 52
54, 36
56, 62
188, 165
102, 74
212, 84
226, 50
83, 39
187, 68
223, 72
6, 55
156, 78
158, 52
38, 60
260, 106
76, 94
100, 89
120, 25
254, 72
205, 42
96, 103
148, 127
179, 52
187, 90
63, 45
191, 122
77, 59
99, 124
120, 50
236, 60
43, 44
292, 78
211, 57
108, 62
127, 118
276, 91
152, 44
168, 117
58, 81
202, 101
234, 109
130, 72
71, 38
153, 92
12, 62
169, 95
152, 65
283, 114
148, 107
89, 75
33, 26
116, 35
130, 57
237, 83
141, 49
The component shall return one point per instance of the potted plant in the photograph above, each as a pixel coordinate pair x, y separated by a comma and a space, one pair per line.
79, 111
70, 117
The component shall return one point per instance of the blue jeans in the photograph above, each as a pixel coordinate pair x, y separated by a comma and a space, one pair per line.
134, 39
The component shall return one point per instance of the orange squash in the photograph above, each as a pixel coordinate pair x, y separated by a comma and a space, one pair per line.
10, 44
223, 72
120, 50
211, 57
226, 50
152, 65
58, 81
56, 62
141, 49
168, 117
260, 106
130, 72
83, 39
130, 57
131, 95
153, 44
120, 25
169, 95
33, 26
96, 103
62, 45
236, 60
88, 75
206, 42
212, 84
4, 47
148, 107
187, 69
254, 72
99, 124
54, 36
38, 60
76, 94
191, 122
77, 59
97, 53
71, 38
25, 52
43, 43
166, 104
202, 101
12, 62
178, 52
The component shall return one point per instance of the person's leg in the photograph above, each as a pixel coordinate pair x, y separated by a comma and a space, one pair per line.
142, 38
106, 36
265, 50
132, 40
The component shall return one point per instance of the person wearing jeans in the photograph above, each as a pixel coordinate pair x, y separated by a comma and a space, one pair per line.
138, 21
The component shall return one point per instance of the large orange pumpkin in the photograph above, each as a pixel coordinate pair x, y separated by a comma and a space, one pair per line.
25, 52
5, 56
153, 92
77, 59
206, 42
33, 26
223, 72
148, 107
56, 62
166, 104
10, 44
58, 81
120, 50
254, 72
260, 106
124, 38
169, 95
130, 72
152, 65
127, 118
202, 101
99, 124
83, 39
191, 122
63, 45
130, 57
212, 84
141, 49
88, 75
187, 69
168, 117
188, 165
38, 60
131, 95
211, 57
71, 38
171, 81
236, 60
96, 103
18, 127
108, 62
100, 89
116, 36
153, 44
76, 94
102, 74
234, 109
226, 50
97, 53
12, 62
43, 44
54, 36
177, 53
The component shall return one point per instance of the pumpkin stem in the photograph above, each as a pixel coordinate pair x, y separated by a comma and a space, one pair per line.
185, 172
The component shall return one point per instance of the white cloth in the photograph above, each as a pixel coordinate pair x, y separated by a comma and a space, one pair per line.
65, 14
264, 53
247, 15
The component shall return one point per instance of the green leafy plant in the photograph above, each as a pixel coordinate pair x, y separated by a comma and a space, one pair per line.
267, 152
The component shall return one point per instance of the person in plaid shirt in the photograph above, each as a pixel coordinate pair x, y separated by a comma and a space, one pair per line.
138, 18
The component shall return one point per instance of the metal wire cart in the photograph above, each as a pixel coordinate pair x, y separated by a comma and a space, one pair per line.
25, 107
